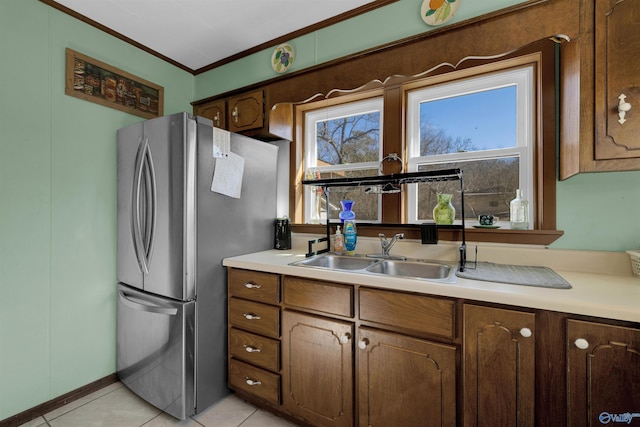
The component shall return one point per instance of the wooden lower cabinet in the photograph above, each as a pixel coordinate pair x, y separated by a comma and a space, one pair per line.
332, 354
317, 369
499, 367
405, 381
603, 374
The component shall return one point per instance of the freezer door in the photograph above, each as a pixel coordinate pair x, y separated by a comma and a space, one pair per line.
155, 341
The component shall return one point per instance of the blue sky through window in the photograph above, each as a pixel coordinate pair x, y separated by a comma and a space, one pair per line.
488, 118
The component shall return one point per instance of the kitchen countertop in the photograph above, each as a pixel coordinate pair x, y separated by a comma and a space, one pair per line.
599, 294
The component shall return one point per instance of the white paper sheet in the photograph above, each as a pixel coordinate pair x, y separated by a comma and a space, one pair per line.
227, 176
221, 142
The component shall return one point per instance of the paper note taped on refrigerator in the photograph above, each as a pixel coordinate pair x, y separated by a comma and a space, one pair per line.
227, 175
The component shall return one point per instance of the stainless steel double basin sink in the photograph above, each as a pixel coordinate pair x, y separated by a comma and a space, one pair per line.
433, 271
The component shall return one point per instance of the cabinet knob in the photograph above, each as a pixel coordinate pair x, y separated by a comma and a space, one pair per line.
216, 119
250, 349
581, 343
251, 316
363, 343
623, 107
345, 338
250, 285
251, 382
526, 332
235, 114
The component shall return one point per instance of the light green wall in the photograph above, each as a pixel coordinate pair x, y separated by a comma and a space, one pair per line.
58, 186
581, 200
58, 203
383, 25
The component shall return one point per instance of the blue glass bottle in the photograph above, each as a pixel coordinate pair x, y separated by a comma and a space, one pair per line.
347, 212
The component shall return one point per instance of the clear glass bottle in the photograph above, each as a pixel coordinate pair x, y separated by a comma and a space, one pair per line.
519, 212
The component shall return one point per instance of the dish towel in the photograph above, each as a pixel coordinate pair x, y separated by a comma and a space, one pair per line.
514, 274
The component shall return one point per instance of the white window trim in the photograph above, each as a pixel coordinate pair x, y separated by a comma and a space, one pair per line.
524, 80
311, 118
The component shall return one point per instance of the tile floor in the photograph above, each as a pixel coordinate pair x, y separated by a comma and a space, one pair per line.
116, 406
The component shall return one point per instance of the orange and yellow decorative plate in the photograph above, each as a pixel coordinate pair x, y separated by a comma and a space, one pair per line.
437, 12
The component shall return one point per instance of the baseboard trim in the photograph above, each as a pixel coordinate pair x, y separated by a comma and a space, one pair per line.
57, 402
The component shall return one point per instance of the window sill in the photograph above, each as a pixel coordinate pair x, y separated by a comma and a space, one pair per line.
522, 237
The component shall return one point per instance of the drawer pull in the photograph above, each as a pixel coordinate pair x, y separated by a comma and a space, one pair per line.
251, 382
581, 343
251, 316
250, 349
363, 343
250, 285
345, 338
525, 332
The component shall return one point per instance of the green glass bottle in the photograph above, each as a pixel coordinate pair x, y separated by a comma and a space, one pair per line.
444, 212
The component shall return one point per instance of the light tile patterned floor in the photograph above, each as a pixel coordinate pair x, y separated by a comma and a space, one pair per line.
117, 406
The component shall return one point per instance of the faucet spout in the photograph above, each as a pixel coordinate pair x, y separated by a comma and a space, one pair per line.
387, 244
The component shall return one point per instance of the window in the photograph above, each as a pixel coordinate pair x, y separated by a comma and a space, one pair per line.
483, 125
343, 141
518, 92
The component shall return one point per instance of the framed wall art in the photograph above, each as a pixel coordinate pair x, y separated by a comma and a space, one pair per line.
95, 81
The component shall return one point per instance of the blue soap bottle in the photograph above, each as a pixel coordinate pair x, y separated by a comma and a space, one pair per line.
350, 236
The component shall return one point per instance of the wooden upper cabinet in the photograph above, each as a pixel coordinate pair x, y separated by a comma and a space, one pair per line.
603, 374
596, 69
617, 79
246, 111
215, 111
499, 367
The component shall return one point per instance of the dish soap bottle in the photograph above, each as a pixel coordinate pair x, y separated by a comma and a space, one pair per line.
338, 242
519, 212
350, 236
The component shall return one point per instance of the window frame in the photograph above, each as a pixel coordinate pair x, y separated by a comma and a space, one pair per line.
335, 111
543, 53
523, 78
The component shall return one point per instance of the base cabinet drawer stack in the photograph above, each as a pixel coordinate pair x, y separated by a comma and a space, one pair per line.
254, 334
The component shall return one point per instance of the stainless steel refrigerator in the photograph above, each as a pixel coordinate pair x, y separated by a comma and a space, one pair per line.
173, 232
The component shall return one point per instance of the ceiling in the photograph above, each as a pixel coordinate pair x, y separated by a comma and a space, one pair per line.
196, 34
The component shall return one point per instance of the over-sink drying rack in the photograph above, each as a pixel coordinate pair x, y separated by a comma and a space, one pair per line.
388, 184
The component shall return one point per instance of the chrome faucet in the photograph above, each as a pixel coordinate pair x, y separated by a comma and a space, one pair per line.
386, 245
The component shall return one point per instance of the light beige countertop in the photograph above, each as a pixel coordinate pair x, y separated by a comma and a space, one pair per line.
602, 282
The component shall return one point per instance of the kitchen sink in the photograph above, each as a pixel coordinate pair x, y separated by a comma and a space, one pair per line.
337, 262
433, 271
416, 269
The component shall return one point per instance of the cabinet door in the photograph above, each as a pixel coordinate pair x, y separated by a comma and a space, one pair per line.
405, 381
246, 111
215, 111
499, 369
603, 374
317, 369
617, 61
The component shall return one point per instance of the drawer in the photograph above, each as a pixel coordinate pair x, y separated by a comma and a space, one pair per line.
255, 349
254, 316
254, 285
256, 381
415, 312
318, 295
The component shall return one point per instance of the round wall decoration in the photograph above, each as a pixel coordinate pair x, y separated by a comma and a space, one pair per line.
282, 58
437, 12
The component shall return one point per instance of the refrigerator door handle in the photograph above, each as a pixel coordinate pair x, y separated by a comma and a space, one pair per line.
151, 204
147, 307
143, 209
